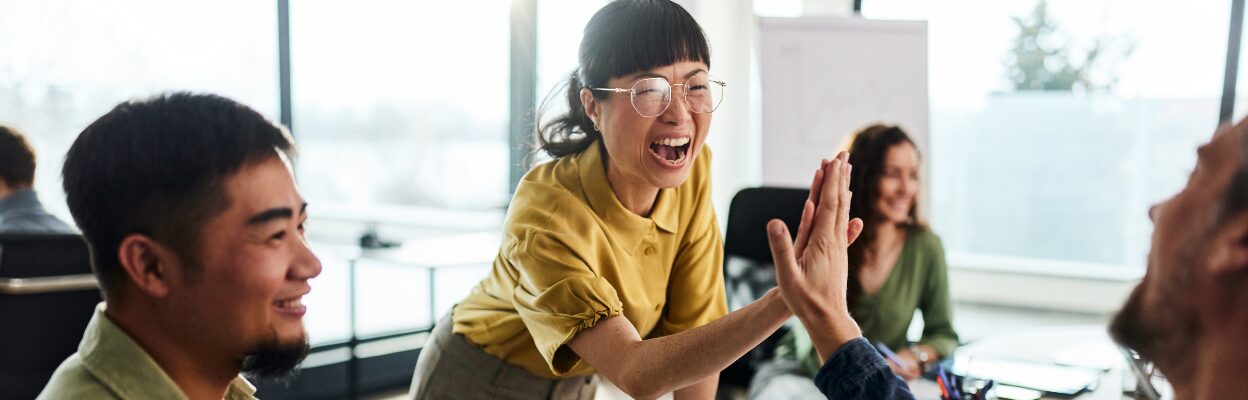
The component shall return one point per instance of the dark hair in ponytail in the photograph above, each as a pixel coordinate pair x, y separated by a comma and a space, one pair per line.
571, 132
622, 38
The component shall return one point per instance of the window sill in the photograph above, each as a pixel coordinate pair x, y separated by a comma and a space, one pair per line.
1040, 284
1045, 268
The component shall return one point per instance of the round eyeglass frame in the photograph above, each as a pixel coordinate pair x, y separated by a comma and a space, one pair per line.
684, 92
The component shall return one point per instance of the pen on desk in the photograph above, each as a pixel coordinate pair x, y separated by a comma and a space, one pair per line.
890, 354
942, 380
948, 384
982, 394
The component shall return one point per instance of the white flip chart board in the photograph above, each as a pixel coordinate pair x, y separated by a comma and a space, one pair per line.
825, 78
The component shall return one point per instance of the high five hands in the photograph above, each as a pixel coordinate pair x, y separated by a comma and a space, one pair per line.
813, 270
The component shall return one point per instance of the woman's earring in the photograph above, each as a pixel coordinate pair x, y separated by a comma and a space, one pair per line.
596, 127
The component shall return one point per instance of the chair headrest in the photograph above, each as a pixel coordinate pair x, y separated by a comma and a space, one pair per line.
35, 255
749, 213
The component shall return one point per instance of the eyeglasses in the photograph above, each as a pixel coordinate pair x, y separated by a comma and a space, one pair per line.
652, 96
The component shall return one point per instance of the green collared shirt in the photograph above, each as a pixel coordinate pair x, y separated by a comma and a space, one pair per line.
110, 365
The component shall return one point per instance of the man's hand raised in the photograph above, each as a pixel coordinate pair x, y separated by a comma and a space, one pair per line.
813, 272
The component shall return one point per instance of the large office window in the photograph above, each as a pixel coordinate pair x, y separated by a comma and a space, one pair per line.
401, 103
1056, 124
560, 24
398, 107
65, 63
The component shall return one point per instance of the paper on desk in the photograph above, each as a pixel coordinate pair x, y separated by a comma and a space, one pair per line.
1006, 392
1067, 380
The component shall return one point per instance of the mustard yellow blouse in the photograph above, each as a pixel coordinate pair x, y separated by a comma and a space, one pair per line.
572, 255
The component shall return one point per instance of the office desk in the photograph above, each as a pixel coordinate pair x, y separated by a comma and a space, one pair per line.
432, 255
1077, 345
429, 254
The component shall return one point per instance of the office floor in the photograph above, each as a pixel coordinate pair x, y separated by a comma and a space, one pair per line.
973, 321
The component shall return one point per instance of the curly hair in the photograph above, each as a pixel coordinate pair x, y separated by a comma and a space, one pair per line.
867, 152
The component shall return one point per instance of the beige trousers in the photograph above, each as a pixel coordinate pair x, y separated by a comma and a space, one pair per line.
452, 368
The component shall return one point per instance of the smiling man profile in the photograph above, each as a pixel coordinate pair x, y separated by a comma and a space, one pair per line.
196, 233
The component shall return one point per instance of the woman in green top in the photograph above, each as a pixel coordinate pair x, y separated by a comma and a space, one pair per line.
897, 265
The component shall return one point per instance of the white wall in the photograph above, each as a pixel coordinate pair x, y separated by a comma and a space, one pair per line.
731, 27
736, 133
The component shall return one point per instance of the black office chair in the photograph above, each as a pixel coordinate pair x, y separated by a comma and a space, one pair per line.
748, 270
47, 296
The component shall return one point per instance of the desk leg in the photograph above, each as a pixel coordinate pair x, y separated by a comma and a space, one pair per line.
352, 364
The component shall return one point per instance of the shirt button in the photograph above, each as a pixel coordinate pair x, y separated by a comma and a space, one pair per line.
649, 251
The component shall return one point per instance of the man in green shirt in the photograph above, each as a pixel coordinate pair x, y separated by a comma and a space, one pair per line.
196, 233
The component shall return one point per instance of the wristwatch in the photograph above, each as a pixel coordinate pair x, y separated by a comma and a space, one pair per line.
921, 354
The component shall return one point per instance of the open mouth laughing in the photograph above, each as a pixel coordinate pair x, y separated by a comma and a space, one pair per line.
673, 151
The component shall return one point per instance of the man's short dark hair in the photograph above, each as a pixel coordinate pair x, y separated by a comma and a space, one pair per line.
157, 167
17, 158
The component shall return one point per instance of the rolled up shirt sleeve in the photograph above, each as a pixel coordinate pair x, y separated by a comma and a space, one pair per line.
558, 295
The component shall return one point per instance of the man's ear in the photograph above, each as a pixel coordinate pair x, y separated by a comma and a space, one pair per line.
1229, 251
590, 103
148, 263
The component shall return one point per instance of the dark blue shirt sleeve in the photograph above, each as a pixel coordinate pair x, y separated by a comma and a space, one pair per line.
857, 371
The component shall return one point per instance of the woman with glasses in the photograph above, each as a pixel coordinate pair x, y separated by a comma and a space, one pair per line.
611, 257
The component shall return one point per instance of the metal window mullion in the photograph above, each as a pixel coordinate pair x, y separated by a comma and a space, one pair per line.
283, 63
523, 88
1232, 61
